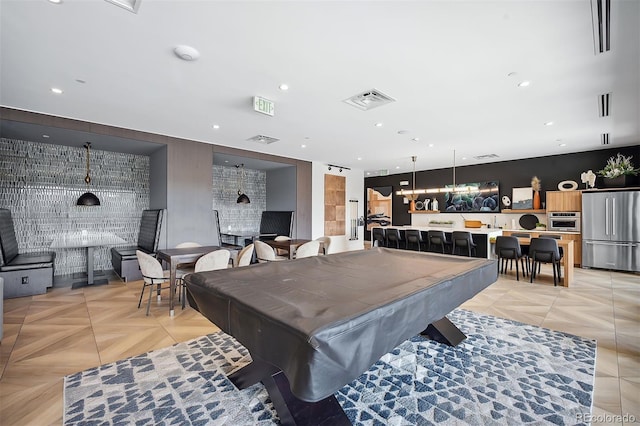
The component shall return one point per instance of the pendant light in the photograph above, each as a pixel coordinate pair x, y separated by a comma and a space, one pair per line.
88, 198
242, 197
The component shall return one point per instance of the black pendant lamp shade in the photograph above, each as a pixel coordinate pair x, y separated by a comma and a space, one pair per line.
88, 198
242, 197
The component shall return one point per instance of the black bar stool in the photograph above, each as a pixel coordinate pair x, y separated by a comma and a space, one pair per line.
462, 240
377, 237
393, 237
413, 237
437, 239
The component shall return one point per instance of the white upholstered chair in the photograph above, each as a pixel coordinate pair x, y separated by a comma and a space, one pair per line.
152, 275
326, 244
218, 259
265, 253
244, 258
279, 251
308, 249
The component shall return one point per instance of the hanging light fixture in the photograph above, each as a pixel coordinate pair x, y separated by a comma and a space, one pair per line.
242, 197
88, 198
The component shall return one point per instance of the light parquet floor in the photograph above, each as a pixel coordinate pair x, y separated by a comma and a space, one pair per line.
64, 331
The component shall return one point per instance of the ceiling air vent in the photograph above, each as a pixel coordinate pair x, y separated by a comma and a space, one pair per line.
604, 139
266, 140
370, 99
600, 16
130, 5
604, 104
486, 156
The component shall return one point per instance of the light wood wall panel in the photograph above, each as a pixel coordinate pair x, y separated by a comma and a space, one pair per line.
334, 205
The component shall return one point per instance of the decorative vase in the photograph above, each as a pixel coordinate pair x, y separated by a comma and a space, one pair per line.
536, 200
412, 206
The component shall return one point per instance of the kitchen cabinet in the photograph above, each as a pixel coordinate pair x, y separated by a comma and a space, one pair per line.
564, 201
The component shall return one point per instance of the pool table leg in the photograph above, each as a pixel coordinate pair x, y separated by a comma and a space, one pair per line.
444, 331
290, 409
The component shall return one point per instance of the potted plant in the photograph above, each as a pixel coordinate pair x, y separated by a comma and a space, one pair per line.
618, 172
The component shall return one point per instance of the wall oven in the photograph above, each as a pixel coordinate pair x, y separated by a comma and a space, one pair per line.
563, 221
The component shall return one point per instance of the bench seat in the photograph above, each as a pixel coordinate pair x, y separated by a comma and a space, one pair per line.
125, 262
28, 274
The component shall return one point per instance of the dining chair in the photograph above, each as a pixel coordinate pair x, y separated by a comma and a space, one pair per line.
266, 253
438, 239
308, 249
462, 240
213, 261
279, 251
508, 248
245, 256
326, 244
152, 275
544, 250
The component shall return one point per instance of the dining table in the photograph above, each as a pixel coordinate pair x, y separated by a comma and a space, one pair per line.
567, 258
181, 256
87, 240
240, 236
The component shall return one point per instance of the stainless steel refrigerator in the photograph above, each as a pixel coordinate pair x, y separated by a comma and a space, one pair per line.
611, 230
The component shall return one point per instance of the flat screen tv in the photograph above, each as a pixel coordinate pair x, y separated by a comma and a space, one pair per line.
473, 197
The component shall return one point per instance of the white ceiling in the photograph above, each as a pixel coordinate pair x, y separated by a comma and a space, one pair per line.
447, 64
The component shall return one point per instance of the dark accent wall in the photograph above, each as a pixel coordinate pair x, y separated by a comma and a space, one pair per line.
281, 187
510, 174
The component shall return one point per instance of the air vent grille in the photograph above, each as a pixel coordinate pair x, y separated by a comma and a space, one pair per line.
600, 15
368, 100
604, 104
604, 139
485, 156
266, 140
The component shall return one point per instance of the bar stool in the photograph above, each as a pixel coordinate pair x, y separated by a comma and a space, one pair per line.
463, 240
413, 237
508, 248
378, 237
393, 237
438, 239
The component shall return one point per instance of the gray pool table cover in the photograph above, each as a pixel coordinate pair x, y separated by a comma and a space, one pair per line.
325, 320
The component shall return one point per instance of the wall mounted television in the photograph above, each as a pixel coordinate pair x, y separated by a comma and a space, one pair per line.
481, 197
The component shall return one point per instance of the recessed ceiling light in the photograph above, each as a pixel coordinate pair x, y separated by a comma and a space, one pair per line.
368, 173
430, 145
186, 53
55, 1
216, 126
524, 83
403, 132
45, 136
464, 158
415, 139
397, 167
359, 158
378, 124
512, 74
56, 90
81, 81
283, 87
303, 146
562, 144
549, 123
226, 161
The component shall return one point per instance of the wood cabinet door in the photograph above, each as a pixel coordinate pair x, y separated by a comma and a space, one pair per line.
564, 201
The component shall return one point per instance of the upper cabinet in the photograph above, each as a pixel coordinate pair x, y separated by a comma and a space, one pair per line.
564, 201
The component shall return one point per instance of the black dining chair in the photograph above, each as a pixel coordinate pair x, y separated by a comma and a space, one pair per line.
545, 250
462, 240
413, 238
438, 239
508, 248
393, 237
378, 238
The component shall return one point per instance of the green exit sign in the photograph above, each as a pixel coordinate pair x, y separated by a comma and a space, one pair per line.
264, 106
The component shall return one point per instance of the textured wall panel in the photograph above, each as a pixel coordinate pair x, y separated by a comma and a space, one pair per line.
240, 217
40, 184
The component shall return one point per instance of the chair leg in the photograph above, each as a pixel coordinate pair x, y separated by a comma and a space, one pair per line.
517, 271
144, 285
150, 296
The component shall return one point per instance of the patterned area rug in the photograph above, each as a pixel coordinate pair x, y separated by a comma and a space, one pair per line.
505, 372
